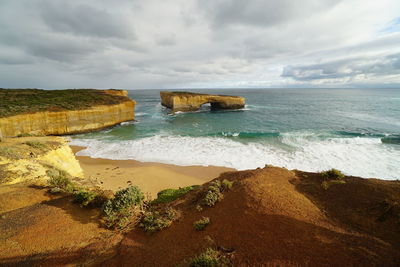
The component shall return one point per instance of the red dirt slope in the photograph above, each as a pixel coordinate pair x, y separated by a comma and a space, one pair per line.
273, 217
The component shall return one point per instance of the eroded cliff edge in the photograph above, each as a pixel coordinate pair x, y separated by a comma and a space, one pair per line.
186, 101
30, 158
60, 112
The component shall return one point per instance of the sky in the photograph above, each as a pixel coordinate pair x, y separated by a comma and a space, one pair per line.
155, 44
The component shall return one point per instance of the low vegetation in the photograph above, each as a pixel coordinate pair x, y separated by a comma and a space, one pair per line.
331, 177
332, 174
36, 144
62, 180
84, 197
169, 195
201, 224
19, 101
210, 258
124, 204
153, 221
215, 191
9, 153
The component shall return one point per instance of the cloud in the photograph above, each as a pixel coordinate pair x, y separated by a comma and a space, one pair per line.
369, 66
84, 20
260, 12
198, 43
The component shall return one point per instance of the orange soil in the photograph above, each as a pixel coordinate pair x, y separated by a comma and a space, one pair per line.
37, 228
272, 217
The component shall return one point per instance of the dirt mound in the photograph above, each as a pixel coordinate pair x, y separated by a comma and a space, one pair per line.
272, 217
40, 229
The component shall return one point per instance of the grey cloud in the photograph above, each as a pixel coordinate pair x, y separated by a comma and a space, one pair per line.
166, 40
61, 49
346, 68
84, 20
179, 43
260, 12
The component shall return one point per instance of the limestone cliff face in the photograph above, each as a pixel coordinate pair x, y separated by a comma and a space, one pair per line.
24, 163
69, 121
184, 101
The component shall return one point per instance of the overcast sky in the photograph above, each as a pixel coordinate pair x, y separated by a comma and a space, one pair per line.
199, 43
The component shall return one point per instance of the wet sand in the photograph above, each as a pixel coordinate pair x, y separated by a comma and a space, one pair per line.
151, 177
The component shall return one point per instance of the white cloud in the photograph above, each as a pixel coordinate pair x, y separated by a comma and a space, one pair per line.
195, 43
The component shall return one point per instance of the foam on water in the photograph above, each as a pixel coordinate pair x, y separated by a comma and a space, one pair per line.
359, 156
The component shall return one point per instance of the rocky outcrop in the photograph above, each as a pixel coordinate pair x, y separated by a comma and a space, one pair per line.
29, 159
185, 101
70, 121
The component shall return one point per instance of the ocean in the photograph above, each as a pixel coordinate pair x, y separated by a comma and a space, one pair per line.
354, 130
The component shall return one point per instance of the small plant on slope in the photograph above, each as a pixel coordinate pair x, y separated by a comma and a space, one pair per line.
210, 258
117, 210
61, 179
332, 174
169, 195
84, 197
201, 224
154, 221
215, 191
36, 144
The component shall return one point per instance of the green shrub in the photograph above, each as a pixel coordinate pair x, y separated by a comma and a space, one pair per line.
201, 224
117, 210
84, 197
326, 184
61, 179
9, 153
332, 174
209, 258
214, 192
226, 184
154, 221
169, 195
36, 144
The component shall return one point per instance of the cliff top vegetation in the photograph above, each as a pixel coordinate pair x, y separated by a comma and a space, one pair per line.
20, 101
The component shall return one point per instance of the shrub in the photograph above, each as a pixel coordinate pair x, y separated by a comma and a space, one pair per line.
10, 153
61, 179
226, 184
209, 258
332, 174
84, 197
117, 210
169, 195
326, 184
201, 224
36, 144
215, 190
154, 221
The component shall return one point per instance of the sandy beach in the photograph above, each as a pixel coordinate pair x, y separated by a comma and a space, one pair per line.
151, 177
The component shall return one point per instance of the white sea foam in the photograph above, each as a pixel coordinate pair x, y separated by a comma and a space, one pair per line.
365, 157
139, 114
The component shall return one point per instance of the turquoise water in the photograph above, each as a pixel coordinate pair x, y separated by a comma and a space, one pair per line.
354, 130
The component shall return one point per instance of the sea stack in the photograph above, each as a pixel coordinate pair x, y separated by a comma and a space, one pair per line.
186, 101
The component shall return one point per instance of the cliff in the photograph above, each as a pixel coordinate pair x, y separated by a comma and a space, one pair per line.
40, 112
29, 159
185, 101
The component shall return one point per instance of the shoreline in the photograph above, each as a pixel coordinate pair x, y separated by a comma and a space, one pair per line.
150, 177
